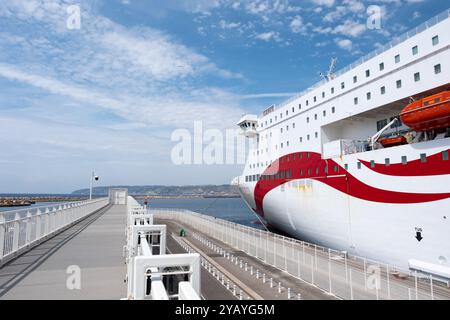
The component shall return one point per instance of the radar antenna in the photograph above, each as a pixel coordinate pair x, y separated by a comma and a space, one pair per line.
330, 75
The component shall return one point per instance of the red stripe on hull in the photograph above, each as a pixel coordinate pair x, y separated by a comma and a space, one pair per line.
309, 165
435, 165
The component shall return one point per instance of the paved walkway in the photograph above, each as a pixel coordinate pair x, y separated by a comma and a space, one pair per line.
95, 245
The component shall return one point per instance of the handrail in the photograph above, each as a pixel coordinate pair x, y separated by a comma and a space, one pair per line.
397, 40
28, 227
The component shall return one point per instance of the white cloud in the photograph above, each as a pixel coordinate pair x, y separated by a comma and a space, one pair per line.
345, 44
297, 25
327, 3
267, 36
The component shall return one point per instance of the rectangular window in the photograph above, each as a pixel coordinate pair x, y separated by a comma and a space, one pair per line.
346, 166
301, 139
315, 98
300, 106
323, 94
307, 119
372, 163
301, 172
316, 135
417, 76
342, 85
387, 162
381, 124
399, 84
309, 172
404, 160
246, 178
383, 90
367, 73
293, 125
369, 95
359, 165
355, 79
332, 90
415, 50
437, 69
293, 109
435, 40
333, 109
315, 116
307, 103
382, 66
397, 58
335, 169
324, 113
423, 157
307, 137
287, 112
355, 101
445, 155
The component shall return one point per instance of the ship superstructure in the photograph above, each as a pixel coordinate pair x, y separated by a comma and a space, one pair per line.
337, 166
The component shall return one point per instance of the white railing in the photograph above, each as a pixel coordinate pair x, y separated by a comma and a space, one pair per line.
340, 274
147, 267
22, 229
397, 40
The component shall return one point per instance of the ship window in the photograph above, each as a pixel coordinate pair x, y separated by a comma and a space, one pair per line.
281, 115
309, 172
383, 90
325, 169
426, 103
369, 95
342, 85
359, 165
315, 116
435, 40
367, 73
275, 118
404, 160
381, 124
307, 119
287, 128
372, 163
287, 112
270, 120
437, 100
307, 102
336, 168
355, 79
281, 130
301, 139
293, 125
288, 174
282, 175
282, 145
324, 113
346, 166
316, 134
399, 84
415, 50
323, 94
287, 145
317, 170
381, 66
423, 157
301, 172
277, 176
315, 98
246, 178
445, 155
417, 76
308, 155
387, 162
307, 137
333, 109
293, 109
300, 106
332, 90
355, 101
437, 69
397, 58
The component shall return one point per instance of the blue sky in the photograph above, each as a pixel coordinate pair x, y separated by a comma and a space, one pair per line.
109, 95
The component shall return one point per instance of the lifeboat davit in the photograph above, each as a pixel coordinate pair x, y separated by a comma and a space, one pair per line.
432, 112
393, 141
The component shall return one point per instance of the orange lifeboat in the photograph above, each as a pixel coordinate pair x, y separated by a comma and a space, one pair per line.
393, 141
432, 112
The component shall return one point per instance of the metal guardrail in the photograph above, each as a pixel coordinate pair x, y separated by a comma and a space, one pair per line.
147, 268
397, 40
20, 230
338, 273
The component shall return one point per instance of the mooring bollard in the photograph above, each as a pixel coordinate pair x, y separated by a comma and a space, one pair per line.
279, 287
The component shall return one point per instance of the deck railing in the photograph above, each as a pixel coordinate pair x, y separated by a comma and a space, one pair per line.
20, 230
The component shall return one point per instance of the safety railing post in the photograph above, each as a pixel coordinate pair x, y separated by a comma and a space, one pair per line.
38, 223
2, 235
16, 230
28, 228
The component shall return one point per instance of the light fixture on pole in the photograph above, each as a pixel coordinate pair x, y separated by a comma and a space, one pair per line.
93, 177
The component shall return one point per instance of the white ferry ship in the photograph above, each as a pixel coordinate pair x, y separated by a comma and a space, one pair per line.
360, 161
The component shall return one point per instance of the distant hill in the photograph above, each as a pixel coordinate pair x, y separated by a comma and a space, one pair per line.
169, 191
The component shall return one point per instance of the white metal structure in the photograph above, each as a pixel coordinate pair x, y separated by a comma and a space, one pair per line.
146, 268
20, 230
118, 196
341, 274
313, 174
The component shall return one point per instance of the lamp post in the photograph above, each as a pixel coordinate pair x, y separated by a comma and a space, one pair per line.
93, 177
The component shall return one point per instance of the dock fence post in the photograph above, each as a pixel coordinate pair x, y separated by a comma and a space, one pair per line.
2, 235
